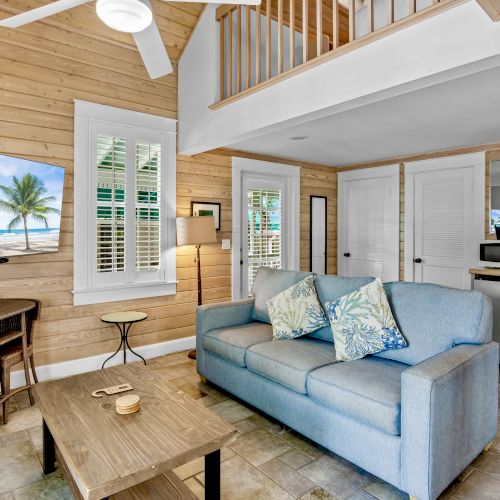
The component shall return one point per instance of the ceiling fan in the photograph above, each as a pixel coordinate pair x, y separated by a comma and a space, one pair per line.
129, 16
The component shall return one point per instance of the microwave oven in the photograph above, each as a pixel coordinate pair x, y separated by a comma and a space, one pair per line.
489, 253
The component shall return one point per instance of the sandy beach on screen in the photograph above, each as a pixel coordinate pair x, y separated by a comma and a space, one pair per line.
39, 243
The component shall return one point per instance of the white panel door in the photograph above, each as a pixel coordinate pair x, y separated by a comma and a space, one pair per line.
444, 222
369, 223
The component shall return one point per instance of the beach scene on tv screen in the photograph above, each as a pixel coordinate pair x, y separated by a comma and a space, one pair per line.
30, 206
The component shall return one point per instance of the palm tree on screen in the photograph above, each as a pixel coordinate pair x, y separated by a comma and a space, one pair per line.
25, 198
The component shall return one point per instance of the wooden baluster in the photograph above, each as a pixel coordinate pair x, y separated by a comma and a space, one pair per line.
390, 12
413, 7
305, 30
268, 38
319, 27
230, 54
249, 46
238, 49
280, 36
222, 62
335, 23
257, 44
292, 33
370, 15
352, 20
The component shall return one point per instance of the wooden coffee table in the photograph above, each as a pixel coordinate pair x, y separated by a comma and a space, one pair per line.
103, 454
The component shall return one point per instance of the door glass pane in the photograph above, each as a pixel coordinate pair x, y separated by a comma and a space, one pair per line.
264, 230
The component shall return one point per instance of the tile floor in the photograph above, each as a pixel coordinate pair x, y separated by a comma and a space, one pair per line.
267, 461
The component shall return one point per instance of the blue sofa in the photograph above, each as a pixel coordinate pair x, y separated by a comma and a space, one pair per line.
415, 417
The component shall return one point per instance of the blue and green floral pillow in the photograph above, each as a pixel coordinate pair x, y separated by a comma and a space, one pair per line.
296, 311
362, 323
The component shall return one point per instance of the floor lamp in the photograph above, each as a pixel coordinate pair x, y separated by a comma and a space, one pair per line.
196, 231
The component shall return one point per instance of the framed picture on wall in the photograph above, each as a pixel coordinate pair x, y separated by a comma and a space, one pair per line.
202, 208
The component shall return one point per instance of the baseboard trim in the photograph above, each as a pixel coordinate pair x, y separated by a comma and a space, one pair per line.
91, 363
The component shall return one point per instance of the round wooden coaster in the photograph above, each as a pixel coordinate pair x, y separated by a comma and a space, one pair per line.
129, 408
127, 401
127, 412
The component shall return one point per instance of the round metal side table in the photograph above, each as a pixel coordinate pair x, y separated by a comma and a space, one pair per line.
124, 320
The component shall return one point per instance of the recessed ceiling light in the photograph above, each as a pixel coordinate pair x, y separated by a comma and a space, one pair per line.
299, 137
129, 16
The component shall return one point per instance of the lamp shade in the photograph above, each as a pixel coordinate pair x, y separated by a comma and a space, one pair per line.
196, 230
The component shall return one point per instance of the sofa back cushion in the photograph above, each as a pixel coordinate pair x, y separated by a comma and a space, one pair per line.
329, 288
269, 282
435, 318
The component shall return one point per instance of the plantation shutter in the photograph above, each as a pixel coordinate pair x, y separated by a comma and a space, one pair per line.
110, 208
148, 206
264, 230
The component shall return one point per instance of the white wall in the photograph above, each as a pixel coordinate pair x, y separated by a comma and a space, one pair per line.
455, 43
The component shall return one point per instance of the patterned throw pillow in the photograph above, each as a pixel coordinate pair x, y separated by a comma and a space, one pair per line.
296, 311
362, 323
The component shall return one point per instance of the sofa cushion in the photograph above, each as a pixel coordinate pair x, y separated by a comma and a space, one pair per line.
296, 311
330, 288
288, 362
232, 343
367, 389
434, 318
362, 323
269, 282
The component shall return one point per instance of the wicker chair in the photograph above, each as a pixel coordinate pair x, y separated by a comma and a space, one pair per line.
12, 349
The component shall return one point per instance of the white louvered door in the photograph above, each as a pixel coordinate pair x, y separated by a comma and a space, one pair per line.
368, 223
444, 227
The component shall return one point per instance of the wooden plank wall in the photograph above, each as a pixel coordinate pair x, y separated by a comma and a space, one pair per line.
45, 66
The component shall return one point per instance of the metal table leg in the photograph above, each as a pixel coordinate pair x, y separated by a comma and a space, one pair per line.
212, 476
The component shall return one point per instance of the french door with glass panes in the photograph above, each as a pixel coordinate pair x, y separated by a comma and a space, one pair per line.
263, 228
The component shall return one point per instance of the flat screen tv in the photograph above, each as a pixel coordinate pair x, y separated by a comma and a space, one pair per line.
30, 207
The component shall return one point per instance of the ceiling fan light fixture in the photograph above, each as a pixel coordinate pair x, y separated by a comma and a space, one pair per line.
129, 16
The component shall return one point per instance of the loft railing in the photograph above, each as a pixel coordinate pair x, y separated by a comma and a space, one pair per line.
264, 43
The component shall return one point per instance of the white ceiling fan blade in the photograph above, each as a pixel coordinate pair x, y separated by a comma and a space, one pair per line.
40, 13
231, 2
153, 52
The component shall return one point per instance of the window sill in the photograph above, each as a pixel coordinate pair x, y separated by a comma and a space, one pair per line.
123, 292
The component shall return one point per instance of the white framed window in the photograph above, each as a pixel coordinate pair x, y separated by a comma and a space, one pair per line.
124, 202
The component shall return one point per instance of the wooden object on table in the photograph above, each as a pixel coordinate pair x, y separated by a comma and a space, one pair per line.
116, 389
128, 404
124, 320
16, 346
103, 453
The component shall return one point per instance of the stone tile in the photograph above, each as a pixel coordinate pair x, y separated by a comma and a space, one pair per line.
51, 487
21, 420
198, 465
192, 391
302, 443
259, 446
489, 462
196, 487
361, 495
241, 481
22, 399
36, 436
231, 411
318, 494
385, 491
14, 437
20, 464
267, 424
244, 426
479, 486
7, 496
295, 458
289, 479
207, 401
337, 476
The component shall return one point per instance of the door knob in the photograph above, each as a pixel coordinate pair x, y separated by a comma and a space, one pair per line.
418, 260
347, 254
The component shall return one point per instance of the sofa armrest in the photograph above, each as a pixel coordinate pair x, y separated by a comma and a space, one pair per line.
449, 411
219, 315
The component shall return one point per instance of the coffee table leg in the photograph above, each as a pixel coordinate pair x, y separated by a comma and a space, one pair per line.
212, 476
49, 451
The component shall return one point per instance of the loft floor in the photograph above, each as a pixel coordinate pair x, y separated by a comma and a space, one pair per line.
267, 461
